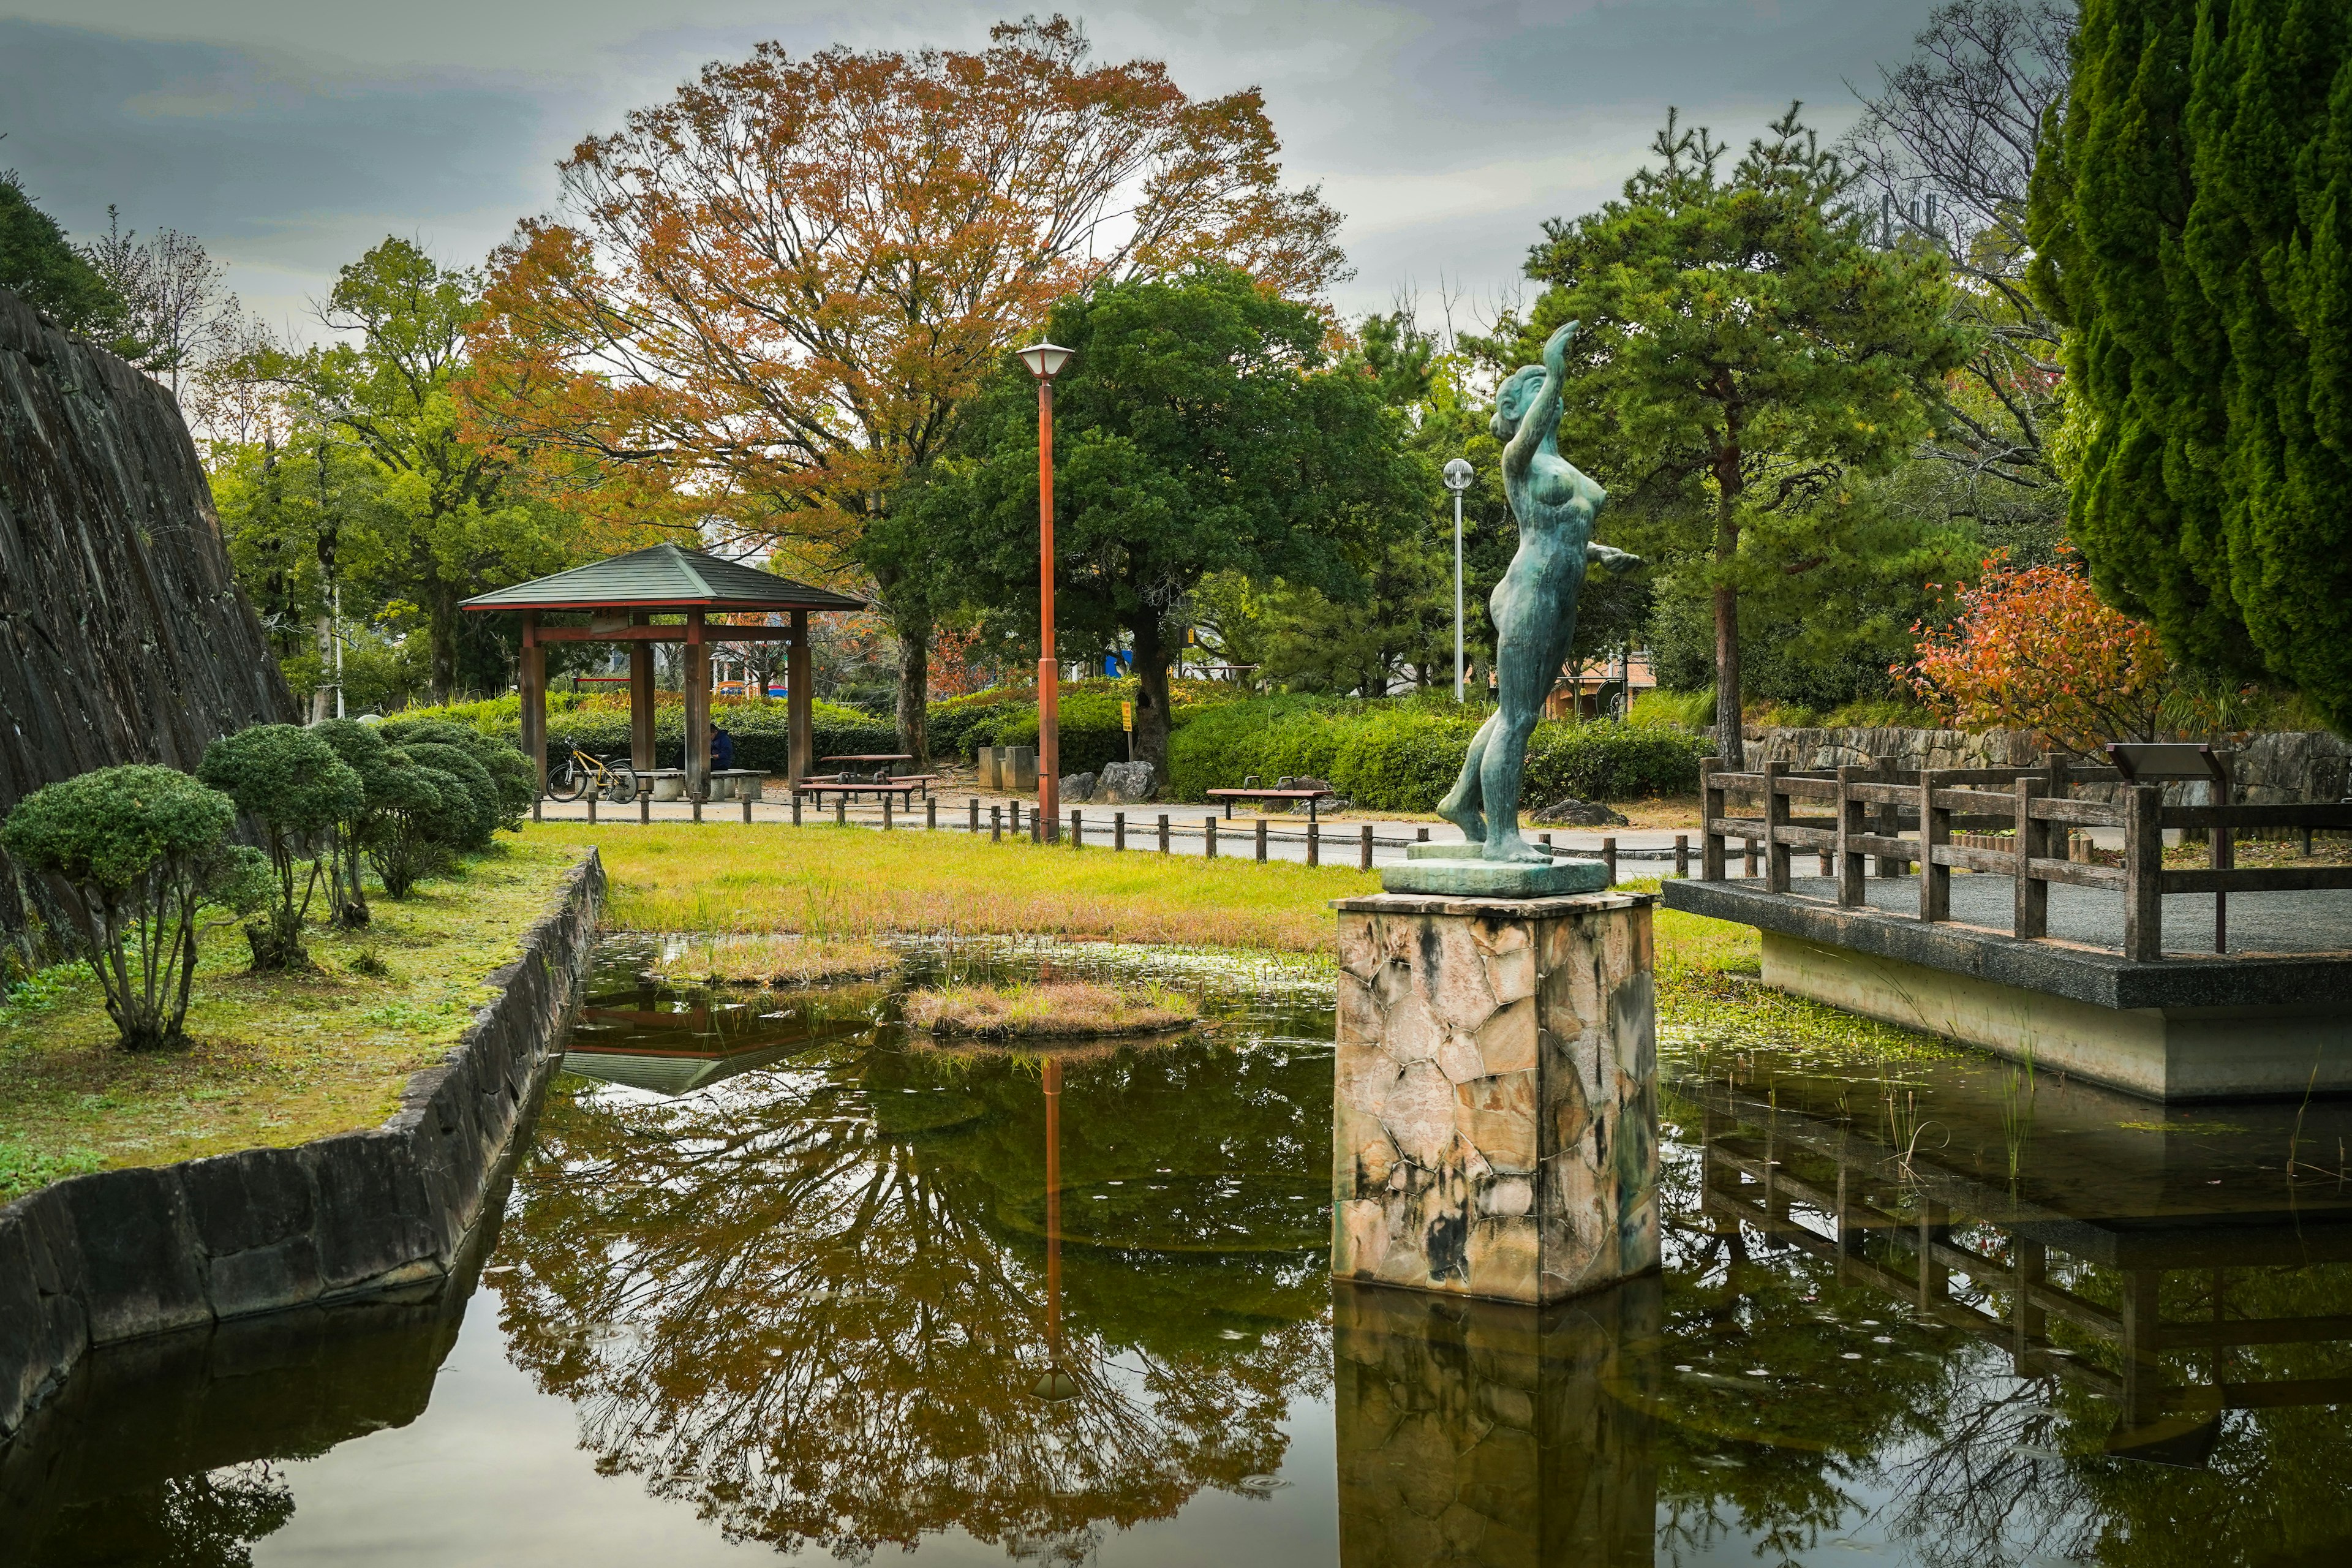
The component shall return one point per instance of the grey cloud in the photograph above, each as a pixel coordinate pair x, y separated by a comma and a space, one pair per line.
1448, 131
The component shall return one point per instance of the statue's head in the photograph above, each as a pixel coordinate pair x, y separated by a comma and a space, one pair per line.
1511, 403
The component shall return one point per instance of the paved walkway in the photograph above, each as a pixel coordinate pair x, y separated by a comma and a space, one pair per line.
1641, 852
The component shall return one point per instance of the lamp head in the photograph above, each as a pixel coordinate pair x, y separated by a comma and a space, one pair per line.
1459, 475
1045, 360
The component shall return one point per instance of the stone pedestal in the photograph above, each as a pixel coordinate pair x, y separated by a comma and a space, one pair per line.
1495, 1121
1499, 1436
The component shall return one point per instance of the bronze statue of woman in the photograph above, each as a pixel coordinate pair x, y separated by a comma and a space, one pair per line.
1534, 606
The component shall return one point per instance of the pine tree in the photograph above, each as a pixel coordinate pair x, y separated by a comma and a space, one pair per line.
1746, 352
2194, 225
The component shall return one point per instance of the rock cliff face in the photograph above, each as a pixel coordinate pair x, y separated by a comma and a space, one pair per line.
123, 635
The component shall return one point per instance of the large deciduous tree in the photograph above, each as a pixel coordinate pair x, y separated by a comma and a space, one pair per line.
1747, 351
1200, 428
2193, 225
451, 514
765, 301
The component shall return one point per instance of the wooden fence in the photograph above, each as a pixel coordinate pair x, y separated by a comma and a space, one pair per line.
1872, 809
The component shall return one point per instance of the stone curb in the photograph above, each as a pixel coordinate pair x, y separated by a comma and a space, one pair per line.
121, 1254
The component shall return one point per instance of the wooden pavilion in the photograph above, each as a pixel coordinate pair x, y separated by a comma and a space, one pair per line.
621, 596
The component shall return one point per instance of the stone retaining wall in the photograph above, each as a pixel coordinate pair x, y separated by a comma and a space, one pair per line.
2269, 770
119, 1255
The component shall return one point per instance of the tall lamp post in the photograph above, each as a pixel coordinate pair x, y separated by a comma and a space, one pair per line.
1046, 360
1458, 475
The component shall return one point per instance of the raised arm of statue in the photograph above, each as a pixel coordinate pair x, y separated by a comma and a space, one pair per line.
1540, 420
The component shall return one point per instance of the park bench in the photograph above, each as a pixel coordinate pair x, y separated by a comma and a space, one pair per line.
1230, 795
907, 788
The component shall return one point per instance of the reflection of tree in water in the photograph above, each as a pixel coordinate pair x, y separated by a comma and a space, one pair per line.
810, 1301
2021, 1466
203, 1520
1975, 1466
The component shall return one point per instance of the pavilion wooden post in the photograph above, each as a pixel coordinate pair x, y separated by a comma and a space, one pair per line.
641, 701
698, 710
533, 680
800, 700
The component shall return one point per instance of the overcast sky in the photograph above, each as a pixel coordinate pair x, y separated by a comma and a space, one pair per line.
289, 135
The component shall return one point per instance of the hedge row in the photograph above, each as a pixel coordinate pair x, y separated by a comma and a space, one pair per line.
599, 725
1092, 733
1404, 756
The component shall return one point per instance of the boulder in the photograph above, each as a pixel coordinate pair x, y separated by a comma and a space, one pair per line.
1304, 781
1126, 784
1575, 812
1078, 788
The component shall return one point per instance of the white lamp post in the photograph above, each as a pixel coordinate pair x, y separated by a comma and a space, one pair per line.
1458, 475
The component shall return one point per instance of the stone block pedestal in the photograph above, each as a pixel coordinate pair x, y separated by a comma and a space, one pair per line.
1495, 1121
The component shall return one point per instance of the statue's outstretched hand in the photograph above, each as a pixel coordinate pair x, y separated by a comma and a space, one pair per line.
1555, 349
1615, 559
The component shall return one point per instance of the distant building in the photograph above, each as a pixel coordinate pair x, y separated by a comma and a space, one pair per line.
1603, 688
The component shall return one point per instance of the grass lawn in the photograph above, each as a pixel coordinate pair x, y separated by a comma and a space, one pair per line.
273, 1059
855, 881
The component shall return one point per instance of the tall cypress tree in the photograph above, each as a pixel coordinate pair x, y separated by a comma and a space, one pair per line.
2194, 226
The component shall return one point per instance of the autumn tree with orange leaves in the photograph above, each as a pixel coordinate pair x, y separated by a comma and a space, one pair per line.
2034, 648
764, 302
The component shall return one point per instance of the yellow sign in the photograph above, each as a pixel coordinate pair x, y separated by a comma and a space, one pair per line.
1127, 717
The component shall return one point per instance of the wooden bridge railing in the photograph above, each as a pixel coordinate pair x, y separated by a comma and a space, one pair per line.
1871, 807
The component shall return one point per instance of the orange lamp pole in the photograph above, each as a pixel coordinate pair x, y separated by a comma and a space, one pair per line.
1044, 362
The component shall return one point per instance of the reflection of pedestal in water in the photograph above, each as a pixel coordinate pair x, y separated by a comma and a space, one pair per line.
1495, 1121
1489, 1432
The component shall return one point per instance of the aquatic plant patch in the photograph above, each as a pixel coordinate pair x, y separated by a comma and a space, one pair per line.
1711, 995
1059, 1009
271, 1060
785, 960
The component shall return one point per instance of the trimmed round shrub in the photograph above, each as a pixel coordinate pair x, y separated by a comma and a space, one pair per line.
469, 824
140, 850
512, 780
292, 784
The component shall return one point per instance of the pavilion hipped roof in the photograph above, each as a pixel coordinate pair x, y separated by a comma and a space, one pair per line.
663, 577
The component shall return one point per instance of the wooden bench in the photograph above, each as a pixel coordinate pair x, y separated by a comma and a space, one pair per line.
850, 789
1230, 795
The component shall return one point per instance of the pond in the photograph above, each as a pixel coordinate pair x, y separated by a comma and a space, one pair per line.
775, 1275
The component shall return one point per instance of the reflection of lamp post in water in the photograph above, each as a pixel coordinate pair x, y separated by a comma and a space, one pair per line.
1458, 475
1056, 1385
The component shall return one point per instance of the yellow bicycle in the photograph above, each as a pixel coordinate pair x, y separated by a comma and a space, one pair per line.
576, 775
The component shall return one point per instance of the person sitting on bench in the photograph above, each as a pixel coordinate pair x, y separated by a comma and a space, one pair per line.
723, 748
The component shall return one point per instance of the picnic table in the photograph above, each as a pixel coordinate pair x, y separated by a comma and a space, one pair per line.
1230, 795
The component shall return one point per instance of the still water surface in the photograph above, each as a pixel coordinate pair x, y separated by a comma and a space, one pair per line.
773, 1276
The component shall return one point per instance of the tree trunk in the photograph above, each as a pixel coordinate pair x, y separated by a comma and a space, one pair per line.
1726, 677
441, 624
1152, 696
914, 693
322, 708
1731, 743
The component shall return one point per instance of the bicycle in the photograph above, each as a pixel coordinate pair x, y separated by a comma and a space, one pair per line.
575, 775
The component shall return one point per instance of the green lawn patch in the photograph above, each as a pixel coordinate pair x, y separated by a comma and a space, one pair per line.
855, 881
272, 1059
